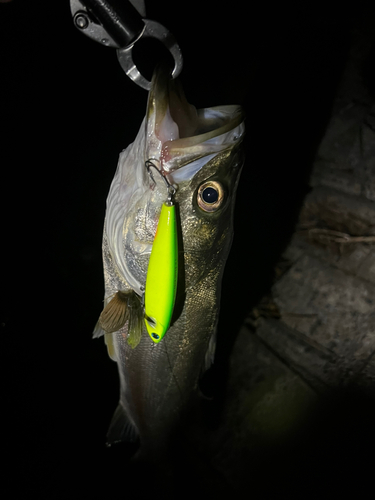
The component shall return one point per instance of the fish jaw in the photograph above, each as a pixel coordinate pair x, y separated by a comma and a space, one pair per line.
178, 134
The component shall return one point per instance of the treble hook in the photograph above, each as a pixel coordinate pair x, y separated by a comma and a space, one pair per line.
171, 189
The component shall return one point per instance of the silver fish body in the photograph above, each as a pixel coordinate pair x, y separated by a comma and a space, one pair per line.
192, 148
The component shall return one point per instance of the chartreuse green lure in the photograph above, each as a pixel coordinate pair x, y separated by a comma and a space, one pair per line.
161, 280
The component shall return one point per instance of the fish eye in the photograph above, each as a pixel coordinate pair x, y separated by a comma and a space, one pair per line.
210, 196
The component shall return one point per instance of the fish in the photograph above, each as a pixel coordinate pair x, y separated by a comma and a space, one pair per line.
200, 153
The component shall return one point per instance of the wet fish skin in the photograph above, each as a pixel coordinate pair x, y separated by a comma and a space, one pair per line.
158, 382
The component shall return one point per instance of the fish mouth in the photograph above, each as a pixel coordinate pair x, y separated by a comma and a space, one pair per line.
179, 134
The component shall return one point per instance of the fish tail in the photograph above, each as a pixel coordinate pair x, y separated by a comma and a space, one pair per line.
121, 428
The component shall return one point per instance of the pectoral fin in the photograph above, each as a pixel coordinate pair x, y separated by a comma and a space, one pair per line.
116, 313
123, 307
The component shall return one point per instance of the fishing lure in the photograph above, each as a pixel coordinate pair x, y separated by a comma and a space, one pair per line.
161, 280
156, 305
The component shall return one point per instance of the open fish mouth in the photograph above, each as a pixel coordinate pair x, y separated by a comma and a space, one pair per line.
181, 136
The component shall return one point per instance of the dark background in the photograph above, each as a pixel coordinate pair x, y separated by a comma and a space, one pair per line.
67, 110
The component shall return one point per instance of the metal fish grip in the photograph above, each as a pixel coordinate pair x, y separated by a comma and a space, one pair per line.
120, 24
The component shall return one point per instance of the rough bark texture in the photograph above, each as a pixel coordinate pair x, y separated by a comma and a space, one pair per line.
301, 384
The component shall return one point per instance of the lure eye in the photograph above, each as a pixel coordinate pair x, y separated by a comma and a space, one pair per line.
210, 196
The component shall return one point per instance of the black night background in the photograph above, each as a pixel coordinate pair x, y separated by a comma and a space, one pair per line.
67, 110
